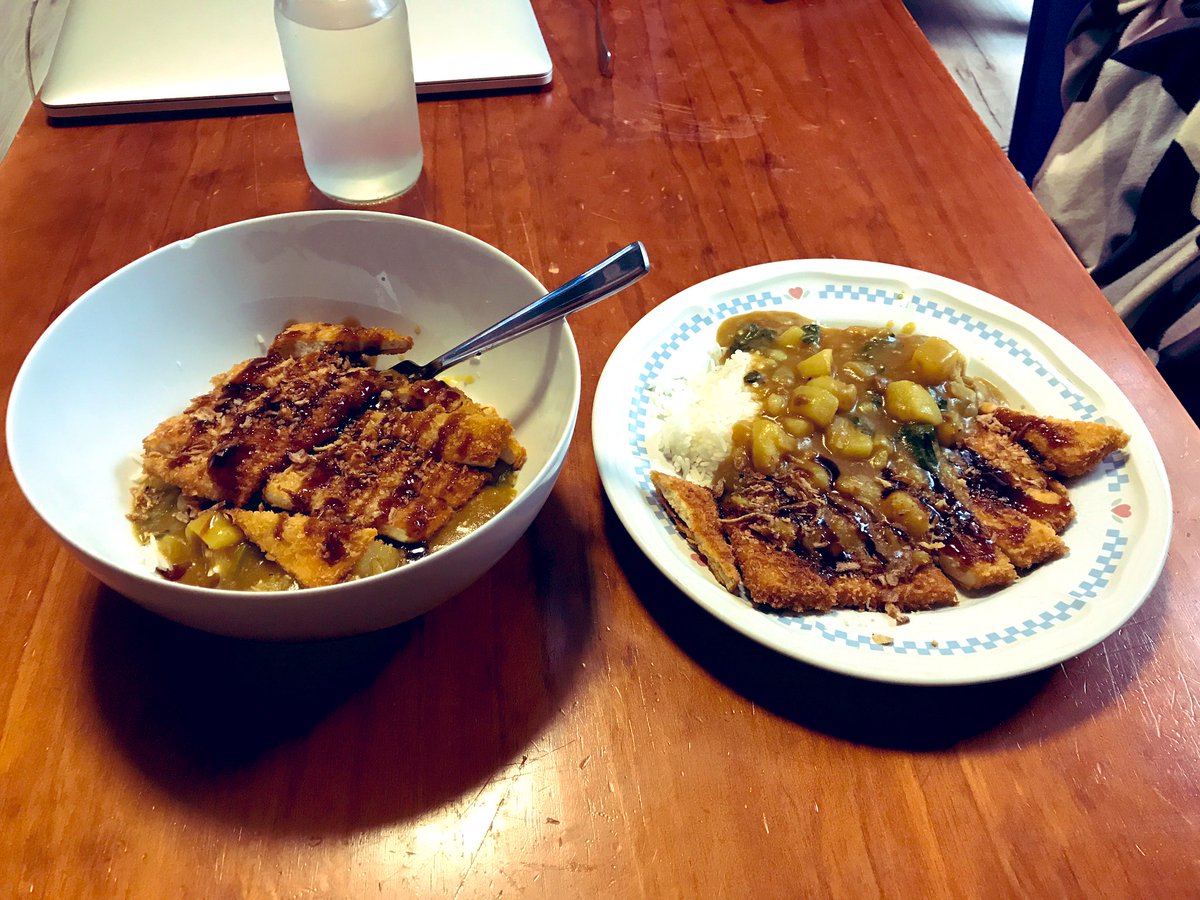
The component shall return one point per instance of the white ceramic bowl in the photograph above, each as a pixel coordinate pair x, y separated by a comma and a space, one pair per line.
137, 346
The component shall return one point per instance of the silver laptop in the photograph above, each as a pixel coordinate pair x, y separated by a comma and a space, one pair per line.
128, 56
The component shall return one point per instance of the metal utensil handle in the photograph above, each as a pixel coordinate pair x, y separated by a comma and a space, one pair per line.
604, 55
619, 271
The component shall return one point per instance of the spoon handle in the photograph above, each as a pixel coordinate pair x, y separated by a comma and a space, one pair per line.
602, 280
603, 54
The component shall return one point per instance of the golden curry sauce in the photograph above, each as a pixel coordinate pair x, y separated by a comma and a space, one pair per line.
846, 403
205, 548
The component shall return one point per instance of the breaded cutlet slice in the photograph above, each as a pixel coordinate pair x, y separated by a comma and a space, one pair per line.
997, 507
312, 337
226, 442
977, 574
441, 420
925, 588
1019, 507
954, 538
1063, 446
928, 589
777, 577
314, 552
370, 478
1006, 469
782, 579
833, 548
694, 511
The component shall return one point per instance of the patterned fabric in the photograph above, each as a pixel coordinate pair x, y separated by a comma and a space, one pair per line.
1120, 179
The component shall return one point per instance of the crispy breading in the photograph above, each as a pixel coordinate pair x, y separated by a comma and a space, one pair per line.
1021, 508
694, 512
314, 552
819, 536
783, 579
1068, 448
908, 589
441, 420
1006, 470
404, 467
344, 451
978, 574
777, 578
955, 538
312, 337
226, 443
927, 588
1026, 541
371, 478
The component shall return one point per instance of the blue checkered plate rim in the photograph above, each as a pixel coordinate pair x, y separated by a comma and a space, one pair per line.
1117, 545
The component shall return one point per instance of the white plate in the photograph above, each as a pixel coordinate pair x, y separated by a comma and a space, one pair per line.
1118, 543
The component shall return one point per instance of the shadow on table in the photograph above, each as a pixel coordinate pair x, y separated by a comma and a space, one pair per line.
329, 737
983, 716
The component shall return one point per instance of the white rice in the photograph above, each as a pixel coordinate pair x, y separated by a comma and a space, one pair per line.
698, 415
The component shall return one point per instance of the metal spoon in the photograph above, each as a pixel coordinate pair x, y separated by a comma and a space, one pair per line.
602, 280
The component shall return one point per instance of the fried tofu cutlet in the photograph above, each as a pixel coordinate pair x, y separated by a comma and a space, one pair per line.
805, 549
404, 494
1065, 447
1020, 508
947, 530
396, 470
313, 337
441, 420
1026, 541
313, 551
776, 577
694, 512
780, 578
226, 443
345, 453
1006, 468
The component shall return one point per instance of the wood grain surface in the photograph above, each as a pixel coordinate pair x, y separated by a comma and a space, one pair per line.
572, 725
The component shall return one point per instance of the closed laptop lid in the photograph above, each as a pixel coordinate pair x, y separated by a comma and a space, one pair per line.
156, 55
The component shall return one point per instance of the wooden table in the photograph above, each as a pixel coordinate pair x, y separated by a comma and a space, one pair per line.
572, 726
